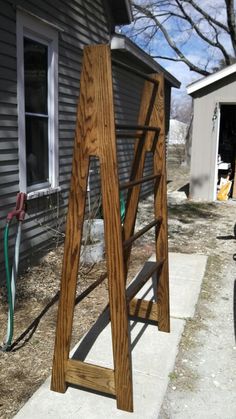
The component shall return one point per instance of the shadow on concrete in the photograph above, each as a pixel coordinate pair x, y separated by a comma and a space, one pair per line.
90, 338
185, 189
103, 320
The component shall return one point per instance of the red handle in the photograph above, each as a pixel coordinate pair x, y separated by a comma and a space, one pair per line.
19, 211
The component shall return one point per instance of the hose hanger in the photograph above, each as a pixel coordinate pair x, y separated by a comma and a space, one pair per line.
11, 274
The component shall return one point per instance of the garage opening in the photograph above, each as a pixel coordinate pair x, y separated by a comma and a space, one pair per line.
227, 147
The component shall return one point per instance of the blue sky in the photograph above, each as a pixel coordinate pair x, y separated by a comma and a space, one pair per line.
195, 49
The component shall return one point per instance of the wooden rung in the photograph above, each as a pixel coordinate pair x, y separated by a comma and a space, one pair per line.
91, 287
132, 183
90, 376
125, 135
156, 222
137, 127
95, 135
147, 310
143, 276
134, 71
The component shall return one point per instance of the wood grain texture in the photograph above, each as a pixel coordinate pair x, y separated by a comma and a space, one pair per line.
146, 310
75, 215
95, 136
234, 180
142, 146
152, 112
160, 204
149, 269
90, 376
113, 233
85, 145
155, 223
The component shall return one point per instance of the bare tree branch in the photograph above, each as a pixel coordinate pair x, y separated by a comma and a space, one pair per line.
231, 19
215, 44
206, 15
171, 42
196, 21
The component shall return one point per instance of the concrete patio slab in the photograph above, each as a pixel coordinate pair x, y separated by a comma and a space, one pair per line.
153, 357
186, 273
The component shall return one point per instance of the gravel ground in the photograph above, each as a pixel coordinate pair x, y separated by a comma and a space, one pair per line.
203, 383
193, 228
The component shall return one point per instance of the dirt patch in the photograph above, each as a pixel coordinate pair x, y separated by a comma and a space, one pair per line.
28, 364
193, 228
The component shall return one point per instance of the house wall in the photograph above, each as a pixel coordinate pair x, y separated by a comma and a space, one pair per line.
205, 136
79, 23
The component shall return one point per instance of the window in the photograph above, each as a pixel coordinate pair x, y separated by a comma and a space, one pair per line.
37, 46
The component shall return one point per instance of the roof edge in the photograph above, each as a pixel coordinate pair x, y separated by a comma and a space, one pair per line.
121, 42
122, 11
212, 78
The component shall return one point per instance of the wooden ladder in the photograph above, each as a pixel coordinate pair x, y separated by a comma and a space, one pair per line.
95, 135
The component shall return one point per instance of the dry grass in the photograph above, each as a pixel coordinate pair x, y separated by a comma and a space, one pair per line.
192, 228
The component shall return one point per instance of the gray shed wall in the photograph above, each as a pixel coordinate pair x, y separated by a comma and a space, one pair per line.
205, 136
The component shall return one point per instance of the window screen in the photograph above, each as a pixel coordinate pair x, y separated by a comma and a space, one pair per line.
36, 111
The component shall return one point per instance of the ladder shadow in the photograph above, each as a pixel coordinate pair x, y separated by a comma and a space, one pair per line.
87, 342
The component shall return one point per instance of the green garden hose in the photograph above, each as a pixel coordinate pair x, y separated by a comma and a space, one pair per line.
11, 274
122, 207
10, 324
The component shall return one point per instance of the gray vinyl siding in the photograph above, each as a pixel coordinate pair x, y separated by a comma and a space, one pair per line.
127, 97
127, 89
79, 23
9, 177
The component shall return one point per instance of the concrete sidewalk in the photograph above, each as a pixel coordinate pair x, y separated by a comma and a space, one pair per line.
153, 355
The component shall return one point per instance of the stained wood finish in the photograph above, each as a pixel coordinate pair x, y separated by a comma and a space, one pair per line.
146, 272
160, 204
72, 246
152, 113
95, 135
146, 310
141, 148
133, 70
138, 128
90, 376
127, 185
156, 223
113, 233
234, 184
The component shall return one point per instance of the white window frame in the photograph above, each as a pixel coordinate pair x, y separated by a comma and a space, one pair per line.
32, 28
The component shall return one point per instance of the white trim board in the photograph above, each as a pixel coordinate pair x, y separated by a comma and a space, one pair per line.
39, 31
120, 42
212, 78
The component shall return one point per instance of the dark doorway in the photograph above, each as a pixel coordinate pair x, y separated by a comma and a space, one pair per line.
227, 145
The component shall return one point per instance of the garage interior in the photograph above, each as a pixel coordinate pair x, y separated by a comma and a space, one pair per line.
227, 146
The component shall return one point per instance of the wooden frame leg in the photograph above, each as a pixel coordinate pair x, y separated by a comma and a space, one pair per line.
75, 216
116, 285
160, 204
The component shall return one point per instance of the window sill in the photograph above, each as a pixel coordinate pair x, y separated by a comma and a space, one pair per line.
43, 192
